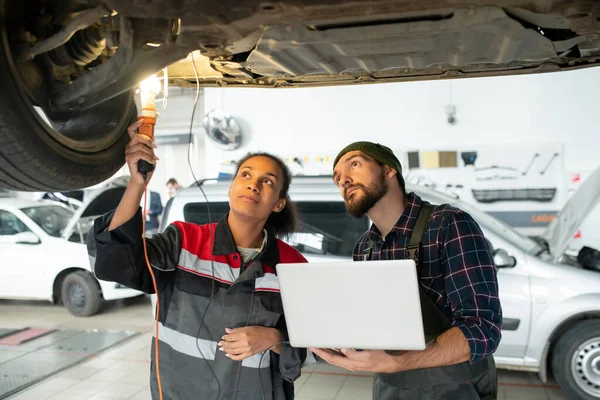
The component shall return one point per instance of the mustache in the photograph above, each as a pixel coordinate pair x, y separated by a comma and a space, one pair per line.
356, 186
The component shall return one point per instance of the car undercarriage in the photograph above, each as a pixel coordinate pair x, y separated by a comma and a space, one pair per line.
69, 68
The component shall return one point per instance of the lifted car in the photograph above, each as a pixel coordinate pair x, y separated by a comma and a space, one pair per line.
68, 68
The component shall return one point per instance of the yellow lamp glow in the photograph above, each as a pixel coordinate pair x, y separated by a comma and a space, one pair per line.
149, 89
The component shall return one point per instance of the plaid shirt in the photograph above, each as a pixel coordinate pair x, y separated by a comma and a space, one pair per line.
457, 270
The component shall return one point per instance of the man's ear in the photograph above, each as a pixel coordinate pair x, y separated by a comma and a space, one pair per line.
280, 205
389, 172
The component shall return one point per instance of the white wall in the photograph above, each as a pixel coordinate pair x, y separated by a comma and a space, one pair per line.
558, 107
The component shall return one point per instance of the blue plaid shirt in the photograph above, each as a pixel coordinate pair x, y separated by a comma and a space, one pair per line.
457, 270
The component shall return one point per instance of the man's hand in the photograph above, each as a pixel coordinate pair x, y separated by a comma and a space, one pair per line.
366, 360
241, 343
451, 347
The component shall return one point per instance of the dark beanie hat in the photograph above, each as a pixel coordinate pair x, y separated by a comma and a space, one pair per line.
377, 151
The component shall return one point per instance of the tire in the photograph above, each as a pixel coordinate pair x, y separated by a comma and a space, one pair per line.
77, 149
576, 361
80, 294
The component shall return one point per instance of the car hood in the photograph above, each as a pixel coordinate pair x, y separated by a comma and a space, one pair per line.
100, 200
560, 231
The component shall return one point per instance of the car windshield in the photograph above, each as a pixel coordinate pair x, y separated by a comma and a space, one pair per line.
52, 219
325, 228
487, 222
81, 229
504, 231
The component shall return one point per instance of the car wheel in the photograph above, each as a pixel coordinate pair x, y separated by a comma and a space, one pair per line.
81, 294
576, 361
42, 149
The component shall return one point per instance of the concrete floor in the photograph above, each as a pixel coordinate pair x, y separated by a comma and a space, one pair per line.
122, 372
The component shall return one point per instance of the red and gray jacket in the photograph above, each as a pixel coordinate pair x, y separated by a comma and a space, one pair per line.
183, 261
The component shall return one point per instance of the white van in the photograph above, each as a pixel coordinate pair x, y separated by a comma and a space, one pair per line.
551, 304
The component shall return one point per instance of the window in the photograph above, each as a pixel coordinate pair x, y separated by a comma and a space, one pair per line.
10, 224
198, 212
81, 230
325, 228
52, 219
487, 222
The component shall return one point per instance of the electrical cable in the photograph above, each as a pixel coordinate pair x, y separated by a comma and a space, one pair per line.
160, 394
260, 363
211, 239
211, 236
248, 324
212, 259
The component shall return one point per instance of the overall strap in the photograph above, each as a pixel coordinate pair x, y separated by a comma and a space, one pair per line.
417, 233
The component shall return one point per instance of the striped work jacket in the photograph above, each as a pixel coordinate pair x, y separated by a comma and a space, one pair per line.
183, 261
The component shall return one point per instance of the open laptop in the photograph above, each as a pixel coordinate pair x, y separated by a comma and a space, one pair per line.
371, 305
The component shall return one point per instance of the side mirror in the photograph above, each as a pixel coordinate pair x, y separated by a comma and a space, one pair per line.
503, 260
27, 238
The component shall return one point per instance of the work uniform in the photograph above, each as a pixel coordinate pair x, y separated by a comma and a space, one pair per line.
458, 288
195, 278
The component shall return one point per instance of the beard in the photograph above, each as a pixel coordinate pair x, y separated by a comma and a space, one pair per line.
371, 195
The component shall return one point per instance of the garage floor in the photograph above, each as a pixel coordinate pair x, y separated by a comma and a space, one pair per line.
31, 355
122, 372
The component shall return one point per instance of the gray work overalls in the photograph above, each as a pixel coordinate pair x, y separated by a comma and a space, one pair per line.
463, 381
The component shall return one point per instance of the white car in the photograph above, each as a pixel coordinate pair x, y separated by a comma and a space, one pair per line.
550, 302
43, 255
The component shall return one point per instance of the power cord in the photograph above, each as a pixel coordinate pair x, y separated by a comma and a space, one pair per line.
260, 363
212, 258
160, 393
211, 237
248, 324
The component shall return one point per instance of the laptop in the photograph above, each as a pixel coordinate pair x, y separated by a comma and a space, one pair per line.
372, 305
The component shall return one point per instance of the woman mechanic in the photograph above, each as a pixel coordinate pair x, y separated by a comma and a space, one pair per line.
218, 292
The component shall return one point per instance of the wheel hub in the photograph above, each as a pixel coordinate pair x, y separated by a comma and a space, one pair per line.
596, 365
586, 366
76, 296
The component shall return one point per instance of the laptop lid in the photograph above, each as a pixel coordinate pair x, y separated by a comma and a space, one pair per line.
362, 305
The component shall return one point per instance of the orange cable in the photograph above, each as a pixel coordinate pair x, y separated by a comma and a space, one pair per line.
155, 291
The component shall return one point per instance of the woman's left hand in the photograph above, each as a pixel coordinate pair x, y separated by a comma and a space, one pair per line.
241, 343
